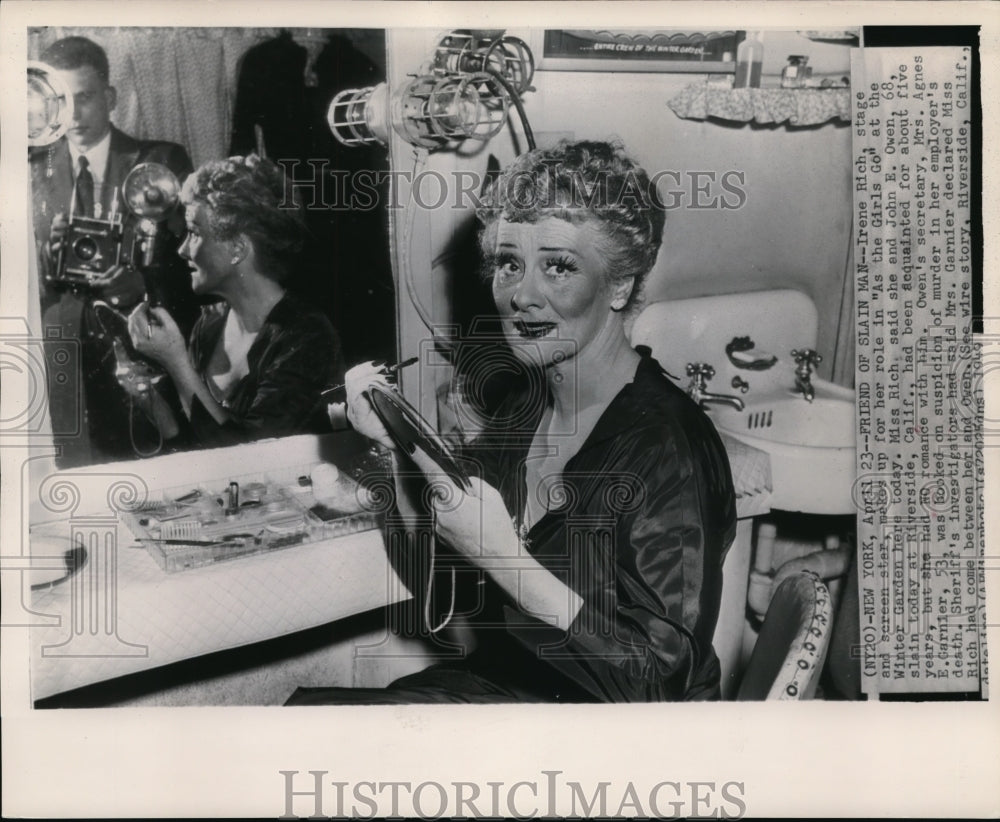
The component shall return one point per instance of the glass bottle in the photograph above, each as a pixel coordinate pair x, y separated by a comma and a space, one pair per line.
749, 59
795, 73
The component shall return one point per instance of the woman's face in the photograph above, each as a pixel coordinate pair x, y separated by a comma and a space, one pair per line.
551, 289
210, 259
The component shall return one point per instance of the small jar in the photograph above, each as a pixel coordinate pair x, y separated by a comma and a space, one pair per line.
794, 74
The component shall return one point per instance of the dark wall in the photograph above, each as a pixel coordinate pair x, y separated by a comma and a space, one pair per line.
346, 266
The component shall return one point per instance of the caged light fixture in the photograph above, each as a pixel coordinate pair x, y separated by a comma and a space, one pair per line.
50, 105
464, 94
359, 116
431, 111
467, 52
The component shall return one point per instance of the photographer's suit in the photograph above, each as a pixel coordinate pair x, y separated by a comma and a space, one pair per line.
105, 428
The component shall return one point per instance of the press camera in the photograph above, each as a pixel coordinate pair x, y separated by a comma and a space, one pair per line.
91, 250
93, 246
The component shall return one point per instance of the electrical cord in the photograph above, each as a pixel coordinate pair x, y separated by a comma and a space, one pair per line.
420, 158
515, 98
101, 311
429, 597
131, 428
75, 558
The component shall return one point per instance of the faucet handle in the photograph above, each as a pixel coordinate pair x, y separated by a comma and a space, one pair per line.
700, 369
806, 356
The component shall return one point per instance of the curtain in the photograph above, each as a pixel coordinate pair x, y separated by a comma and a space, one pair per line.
176, 84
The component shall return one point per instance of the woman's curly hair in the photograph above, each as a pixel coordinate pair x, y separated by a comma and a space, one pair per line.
579, 182
251, 196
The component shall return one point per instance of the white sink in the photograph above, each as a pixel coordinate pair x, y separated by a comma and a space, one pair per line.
811, 444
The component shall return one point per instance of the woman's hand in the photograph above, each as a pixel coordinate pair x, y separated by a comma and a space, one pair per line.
360, 413
155, 335
475, 523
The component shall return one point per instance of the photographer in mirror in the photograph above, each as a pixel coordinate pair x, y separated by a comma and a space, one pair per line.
80, 218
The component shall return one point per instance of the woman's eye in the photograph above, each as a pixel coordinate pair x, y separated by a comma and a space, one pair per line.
560, 267
507, 269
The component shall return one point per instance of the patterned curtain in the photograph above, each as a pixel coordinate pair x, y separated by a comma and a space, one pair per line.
176, 84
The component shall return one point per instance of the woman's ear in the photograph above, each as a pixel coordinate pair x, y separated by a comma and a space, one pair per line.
621, 290
240, 246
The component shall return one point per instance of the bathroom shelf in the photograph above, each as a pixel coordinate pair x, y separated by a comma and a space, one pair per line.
769, 106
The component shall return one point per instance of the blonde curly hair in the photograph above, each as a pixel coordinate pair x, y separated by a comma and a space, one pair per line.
250, 196
584, 181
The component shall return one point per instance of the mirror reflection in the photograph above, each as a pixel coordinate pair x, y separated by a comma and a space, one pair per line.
202, 301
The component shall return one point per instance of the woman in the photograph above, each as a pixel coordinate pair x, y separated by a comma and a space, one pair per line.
258, 360
604, 503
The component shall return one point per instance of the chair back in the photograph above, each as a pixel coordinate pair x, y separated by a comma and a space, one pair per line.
788, 658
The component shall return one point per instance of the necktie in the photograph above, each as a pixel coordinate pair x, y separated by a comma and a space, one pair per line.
85, 189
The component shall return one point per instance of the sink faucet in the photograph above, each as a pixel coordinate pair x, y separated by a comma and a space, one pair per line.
700, 373
805, 360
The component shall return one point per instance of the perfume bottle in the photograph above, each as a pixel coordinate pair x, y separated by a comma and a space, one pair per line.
795, 74
749, 58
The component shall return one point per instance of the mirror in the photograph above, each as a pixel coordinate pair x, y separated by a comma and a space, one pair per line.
255, 90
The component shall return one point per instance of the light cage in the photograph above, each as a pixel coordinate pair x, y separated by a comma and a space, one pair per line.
464, 52
431, 111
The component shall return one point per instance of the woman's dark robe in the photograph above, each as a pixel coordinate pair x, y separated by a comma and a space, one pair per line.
647, 514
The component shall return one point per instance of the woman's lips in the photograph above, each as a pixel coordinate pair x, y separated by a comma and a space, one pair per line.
534, 330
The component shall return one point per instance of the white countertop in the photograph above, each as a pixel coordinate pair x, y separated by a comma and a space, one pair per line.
121, 613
